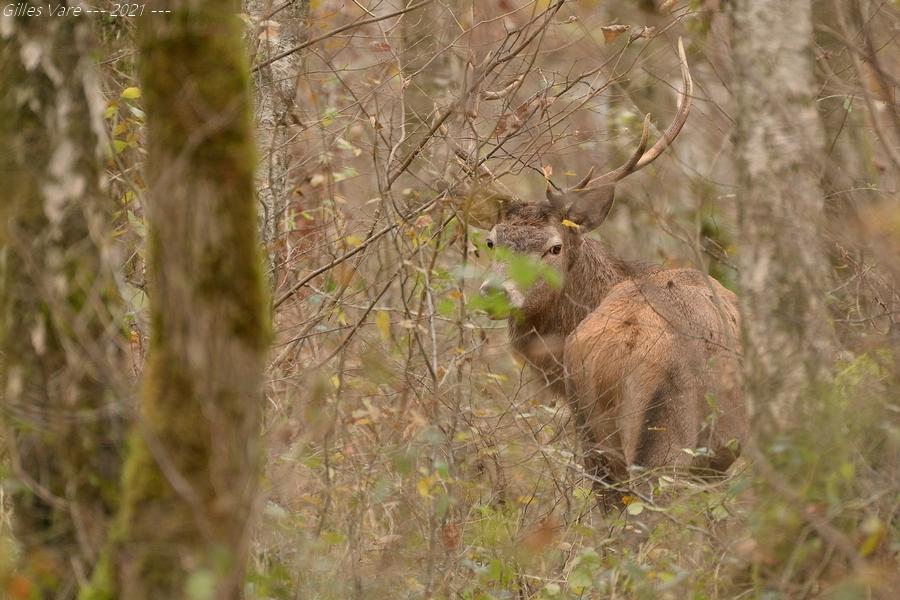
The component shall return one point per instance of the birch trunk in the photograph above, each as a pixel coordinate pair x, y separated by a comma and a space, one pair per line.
783, 266
275, 109
63, 373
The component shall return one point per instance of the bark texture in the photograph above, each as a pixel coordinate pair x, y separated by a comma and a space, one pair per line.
63, 374
191, 475
276, 116
783, 267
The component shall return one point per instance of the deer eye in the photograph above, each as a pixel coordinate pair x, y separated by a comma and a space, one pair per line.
556, 249
490, 243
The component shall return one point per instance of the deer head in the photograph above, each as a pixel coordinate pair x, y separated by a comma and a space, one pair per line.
551, 231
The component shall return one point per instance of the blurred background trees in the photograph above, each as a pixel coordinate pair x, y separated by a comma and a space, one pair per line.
65, 389
407, 454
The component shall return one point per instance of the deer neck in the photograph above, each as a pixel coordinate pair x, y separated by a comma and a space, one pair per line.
593, 271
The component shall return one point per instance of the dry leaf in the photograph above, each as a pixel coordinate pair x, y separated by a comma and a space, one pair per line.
611, 32
507, 122
450, 535
668, 5
646, 32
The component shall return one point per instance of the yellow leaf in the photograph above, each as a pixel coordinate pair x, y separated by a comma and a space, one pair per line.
569, 224
383, 323
131, 93
423, 486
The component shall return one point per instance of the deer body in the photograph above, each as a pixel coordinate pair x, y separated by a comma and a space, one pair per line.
653, 375
647, 357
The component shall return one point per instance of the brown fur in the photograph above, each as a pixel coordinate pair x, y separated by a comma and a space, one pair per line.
646, 357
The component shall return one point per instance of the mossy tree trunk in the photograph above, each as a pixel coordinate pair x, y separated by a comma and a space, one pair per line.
783, 265
191, 476
63, 375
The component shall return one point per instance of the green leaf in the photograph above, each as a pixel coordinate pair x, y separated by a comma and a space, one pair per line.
345, 173
446, 307
495, 570
328, 116
582, 574
552, 589
635, 508
525, 271
495, 304
201, 585
136, 223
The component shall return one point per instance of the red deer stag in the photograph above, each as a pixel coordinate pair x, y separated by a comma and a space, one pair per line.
647, 357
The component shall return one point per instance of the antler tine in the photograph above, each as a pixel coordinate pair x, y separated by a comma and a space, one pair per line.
683, 110
641, 159
630, 166
585, 180
558, 197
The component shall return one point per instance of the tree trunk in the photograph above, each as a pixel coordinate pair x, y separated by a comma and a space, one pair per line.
432, 71
190, 479
63, 374
783, 266
275, 105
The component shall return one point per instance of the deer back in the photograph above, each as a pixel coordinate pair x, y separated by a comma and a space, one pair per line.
653, 373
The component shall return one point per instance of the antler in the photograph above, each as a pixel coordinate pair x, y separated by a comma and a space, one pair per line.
639, 159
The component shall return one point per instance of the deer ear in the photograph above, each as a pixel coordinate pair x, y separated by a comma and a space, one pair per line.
589, 207
479, 206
